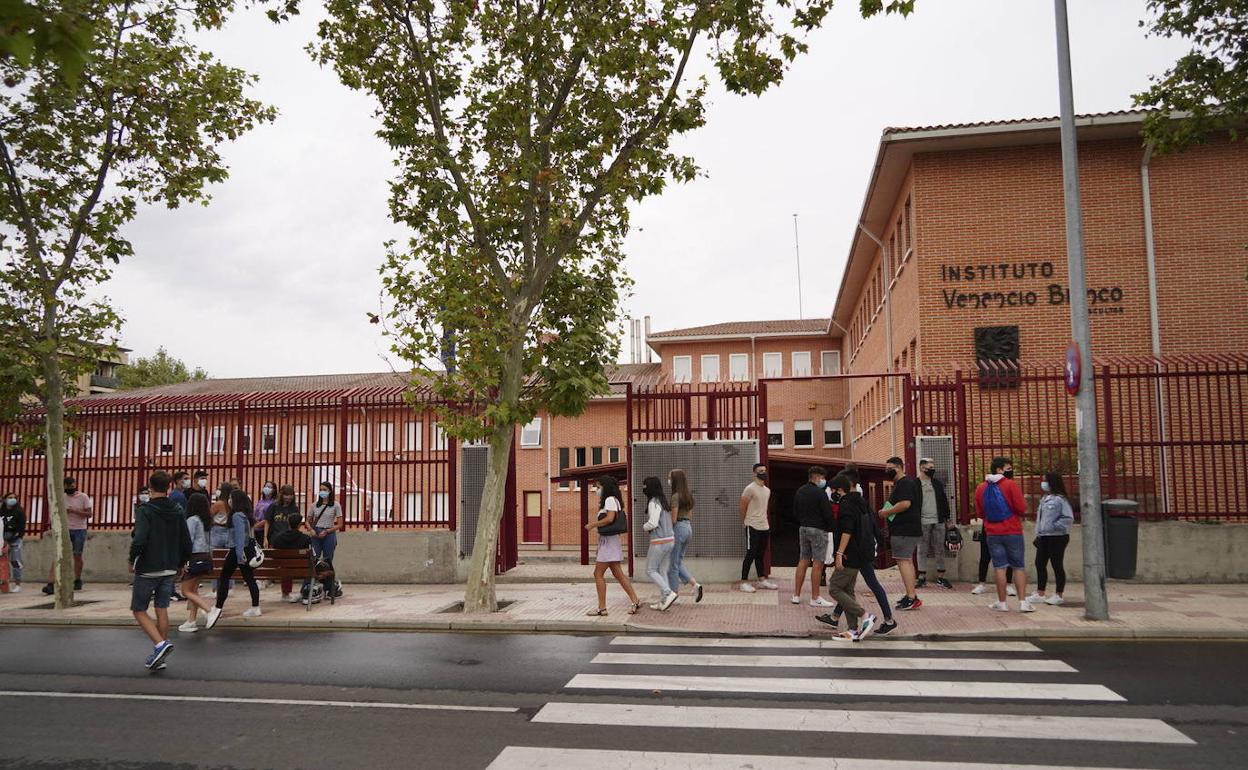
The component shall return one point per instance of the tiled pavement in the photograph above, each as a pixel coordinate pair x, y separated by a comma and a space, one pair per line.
1146, 611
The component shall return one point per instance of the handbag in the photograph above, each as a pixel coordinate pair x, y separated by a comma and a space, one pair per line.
617, 527
199, 567
253, 553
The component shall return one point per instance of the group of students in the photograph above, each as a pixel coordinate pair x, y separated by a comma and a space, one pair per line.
176, 528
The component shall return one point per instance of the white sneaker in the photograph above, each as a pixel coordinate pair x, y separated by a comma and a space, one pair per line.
768, 585
819, 601
15, 589
669, 601
189, 627
1035, 598
999, 607
1009, 591
252, 612
796, 600
214, 615
865, 628
1025, 606
1054, 600
747, 588
979, 589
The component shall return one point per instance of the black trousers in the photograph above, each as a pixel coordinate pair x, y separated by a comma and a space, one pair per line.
227, 576
755, 549
1051, 549
985, 561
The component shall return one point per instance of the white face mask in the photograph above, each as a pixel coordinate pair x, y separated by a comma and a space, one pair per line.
268, 490
144, 498
203, 483
11, 501
1044, 486
186, 483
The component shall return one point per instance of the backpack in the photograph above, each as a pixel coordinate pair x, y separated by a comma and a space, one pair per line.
995, 508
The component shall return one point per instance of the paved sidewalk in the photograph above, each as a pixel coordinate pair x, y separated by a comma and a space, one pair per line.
1138, 611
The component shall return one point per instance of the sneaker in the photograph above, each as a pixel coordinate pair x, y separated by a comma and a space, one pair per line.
214, 615
747, 588
819, 601
655, 606
177, 597
921, 583
670, 600
979, 589
999, 607
886, 627
15, 589
865, 627
1035, 598
943, 583
829, 619
914, 605
904, 603
846, 636
189, 627
1025, 606
796, 600
160, 652
697, 592
1010, 591
77, 585
161, 666
252, 612
767, 585
1054, 600
49, 589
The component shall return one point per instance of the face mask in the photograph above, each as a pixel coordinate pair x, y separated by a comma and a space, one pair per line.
760, 474
821, 483
323, 495
11, 501
70, 490
144, 498
186, 483
891, 473
203, 483
1008, 474
929, 472
1044, 486
268, 490
836, 497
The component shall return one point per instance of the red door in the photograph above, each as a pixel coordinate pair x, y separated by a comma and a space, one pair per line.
532, 517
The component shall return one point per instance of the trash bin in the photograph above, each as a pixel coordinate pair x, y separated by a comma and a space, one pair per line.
1122, 537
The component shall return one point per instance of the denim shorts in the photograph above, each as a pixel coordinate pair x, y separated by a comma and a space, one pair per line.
812, 543
147, 587
1006, 551
78, 539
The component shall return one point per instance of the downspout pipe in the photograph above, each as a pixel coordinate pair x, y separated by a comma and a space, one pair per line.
888, 336
1154, 316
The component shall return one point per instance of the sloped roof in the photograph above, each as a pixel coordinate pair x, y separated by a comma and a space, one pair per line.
292, 384
1129, 115
805, 326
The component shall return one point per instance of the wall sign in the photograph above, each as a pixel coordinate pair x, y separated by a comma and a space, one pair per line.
984, 289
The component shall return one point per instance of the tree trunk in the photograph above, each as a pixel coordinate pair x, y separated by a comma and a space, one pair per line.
479, 593
54, 449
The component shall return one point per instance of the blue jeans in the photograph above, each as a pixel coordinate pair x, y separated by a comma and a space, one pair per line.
867, 571
658, 560
325, 547
15, 560
677, 575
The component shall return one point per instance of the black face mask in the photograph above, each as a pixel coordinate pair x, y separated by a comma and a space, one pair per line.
762, 475
70, 490
836, 497
1008, 474
891, 473
929, 472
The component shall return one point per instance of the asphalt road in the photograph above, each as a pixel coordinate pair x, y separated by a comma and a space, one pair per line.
80, 698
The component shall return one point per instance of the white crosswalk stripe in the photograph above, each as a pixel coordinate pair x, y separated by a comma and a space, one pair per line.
845, 662
877, 643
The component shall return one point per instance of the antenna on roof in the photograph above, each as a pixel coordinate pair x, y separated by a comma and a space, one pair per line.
797, 254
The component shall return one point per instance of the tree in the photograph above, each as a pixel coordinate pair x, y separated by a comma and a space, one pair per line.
143, 125
1209, 84
158, 369
522, 132
31, 32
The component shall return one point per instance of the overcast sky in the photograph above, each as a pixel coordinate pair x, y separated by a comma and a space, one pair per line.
275, 276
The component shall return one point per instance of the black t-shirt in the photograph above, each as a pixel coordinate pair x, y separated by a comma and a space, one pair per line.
290, 538
812, 508
275, 519
855, 521
908, 523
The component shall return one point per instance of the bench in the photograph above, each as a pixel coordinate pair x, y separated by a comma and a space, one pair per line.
294, 564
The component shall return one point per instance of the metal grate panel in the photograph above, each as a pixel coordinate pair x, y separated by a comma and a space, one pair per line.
475, 461
940, 450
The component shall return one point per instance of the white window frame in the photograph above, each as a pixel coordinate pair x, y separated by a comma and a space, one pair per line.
413, 435
164, 438
112, 443
88, 444
771, 425
613, 454
798, 370
713, 359
385, 437
809, 428
265, 432
189, 441
216, 440
326, 438
531, 434
563, 485
677, 362
248, 445
137, 442
744, 360
109, 506
440, 441
299, 440
840, 428
778, 370
823, 368
439, 506
353, 437
413, 506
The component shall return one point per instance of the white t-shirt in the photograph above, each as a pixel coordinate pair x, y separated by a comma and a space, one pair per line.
758, 496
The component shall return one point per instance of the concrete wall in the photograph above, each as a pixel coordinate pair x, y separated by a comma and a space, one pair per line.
363, 557
1169, 552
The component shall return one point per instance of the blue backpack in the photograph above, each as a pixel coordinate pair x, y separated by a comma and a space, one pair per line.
995, 508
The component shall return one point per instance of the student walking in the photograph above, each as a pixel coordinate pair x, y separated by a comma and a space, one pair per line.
754, 506
813, 511
160, 546
236, 559
610, 549
198, 524
14, 529
999, 502
79, 508
662, 541
682, 510
905, 528
221, 534
867, 569
1054, 517
935, 522
326, 519
855, 546
277, 520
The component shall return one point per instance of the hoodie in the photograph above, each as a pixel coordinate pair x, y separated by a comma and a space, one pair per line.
1013, 498
161, 542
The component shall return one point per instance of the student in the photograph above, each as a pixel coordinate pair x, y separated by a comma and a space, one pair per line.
326, 520
904, 527
268, 496
813, 511
867, 569
221, 534
160, 546
199, 483
1054, 517
78, 508
198, 524
236, 559
277, 521
610, 550
178, 489
935, 521
662, 540
755, 503
683, 530
855, 546
14, 529
999, 502
295, 536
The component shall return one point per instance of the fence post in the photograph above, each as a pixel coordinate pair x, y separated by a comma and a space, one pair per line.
712, 403
238, 464
688, 401
907, 423
584, 487
960, 440
342, 458
1110, 470
452, 483
142, 440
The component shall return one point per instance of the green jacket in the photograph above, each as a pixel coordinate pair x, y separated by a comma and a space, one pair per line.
161, 540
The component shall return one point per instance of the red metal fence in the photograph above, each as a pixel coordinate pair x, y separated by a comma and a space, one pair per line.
390, 464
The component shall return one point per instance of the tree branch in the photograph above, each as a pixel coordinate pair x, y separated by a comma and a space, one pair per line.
14, 182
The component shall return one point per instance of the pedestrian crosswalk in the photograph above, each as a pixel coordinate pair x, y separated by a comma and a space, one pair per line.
850, 683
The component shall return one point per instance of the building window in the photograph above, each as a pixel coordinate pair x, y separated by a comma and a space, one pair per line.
833, 433
710, 368
299, 440
385, 437
531, 434
801, 363
112, 443
15, 447
441, 506
581, 457
189, 441
268, 439
773, 364
803, 434
775, 434
353, 437
613, 454
595, 456
325, 438
565, 460
109, 505
739, 367
412, 506
830, 362
246, 447
138, 443
682, 368
88, 445
412, 438
164, 442
440, 441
